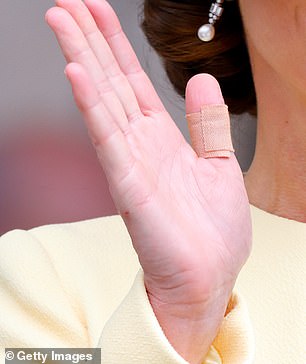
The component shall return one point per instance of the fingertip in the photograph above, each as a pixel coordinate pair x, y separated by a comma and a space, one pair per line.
91, 4
49, 14
104, 15
83, 88
202, 89
67, 3
73, 69
94, 2
53, 16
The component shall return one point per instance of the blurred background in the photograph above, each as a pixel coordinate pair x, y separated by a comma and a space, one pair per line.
48, 169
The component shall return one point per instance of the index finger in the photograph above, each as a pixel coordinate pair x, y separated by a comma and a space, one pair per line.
123, 54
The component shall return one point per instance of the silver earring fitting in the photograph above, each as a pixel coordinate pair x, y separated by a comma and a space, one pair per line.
206, 32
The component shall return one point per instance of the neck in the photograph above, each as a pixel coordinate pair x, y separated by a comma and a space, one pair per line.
276, 180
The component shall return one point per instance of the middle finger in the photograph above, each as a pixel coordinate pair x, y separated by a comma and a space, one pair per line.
76, 49
95, 39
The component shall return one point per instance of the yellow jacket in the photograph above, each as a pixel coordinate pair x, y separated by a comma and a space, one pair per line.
73, 285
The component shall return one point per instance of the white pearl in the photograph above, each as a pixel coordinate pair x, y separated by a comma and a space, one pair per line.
206, 32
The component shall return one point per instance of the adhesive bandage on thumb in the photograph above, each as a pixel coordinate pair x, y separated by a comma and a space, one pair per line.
210, 131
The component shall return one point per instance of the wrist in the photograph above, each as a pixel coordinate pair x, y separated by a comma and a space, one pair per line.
190, 328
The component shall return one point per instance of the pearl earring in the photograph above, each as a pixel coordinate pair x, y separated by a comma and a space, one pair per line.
206, 32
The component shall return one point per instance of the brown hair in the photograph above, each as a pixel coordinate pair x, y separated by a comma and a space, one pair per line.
171, 29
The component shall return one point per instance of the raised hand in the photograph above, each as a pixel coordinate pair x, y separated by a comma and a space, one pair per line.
188, 217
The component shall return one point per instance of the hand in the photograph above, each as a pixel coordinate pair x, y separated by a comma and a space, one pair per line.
188, 217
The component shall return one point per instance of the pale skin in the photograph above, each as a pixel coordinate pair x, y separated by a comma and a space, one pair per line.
188, 217
276, 37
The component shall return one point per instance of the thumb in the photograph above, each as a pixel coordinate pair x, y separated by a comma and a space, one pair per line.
208, 118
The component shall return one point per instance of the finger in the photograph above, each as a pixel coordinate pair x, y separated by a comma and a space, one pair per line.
110, 143
123, 54
76, 49
103, 54
208, 118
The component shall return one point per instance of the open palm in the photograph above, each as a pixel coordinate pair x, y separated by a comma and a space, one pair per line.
188, 216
